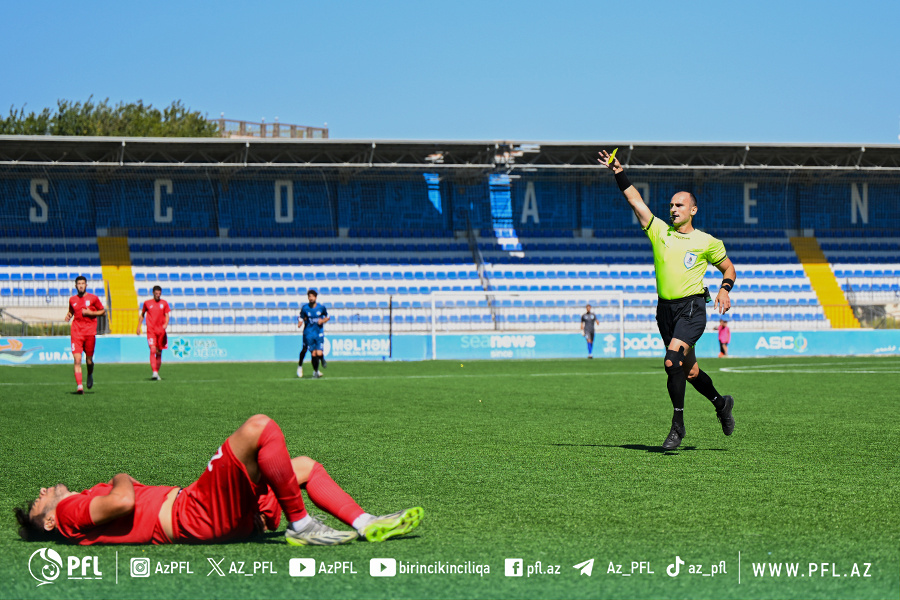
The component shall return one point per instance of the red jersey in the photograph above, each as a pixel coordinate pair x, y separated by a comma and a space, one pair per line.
73, 518
156, 314
222, 505
81, 325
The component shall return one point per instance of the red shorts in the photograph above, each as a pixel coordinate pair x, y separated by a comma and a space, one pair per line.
158, 339
84, 343
223, 503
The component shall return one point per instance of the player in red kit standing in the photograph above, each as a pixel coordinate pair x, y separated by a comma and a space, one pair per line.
84, 308
157, 311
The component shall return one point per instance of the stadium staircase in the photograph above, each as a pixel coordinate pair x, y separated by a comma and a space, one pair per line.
821, 277
115, 262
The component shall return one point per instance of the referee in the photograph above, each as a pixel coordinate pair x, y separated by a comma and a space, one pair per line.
680, 256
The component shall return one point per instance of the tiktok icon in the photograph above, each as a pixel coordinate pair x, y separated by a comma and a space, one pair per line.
675, 568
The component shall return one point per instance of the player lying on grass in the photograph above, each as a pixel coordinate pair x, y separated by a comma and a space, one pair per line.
242, 491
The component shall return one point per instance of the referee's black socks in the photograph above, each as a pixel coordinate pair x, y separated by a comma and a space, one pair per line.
676, 382
315, 362
703, 384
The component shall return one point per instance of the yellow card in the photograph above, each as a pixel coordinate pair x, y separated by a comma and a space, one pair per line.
612, 157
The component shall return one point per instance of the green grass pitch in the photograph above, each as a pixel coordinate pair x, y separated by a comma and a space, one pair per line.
550, 461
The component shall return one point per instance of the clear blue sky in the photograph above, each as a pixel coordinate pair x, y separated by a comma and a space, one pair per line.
763, 71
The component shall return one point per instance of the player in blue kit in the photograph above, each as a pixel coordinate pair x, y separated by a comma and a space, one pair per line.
587, 329
313, 317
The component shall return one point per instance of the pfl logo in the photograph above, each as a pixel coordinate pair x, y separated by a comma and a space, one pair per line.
46, 565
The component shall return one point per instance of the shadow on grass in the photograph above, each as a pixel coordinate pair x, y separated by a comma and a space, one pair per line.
277, 537
648, 449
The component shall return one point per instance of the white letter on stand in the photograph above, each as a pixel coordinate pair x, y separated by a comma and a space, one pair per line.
530, 205
749, 203
288, 187
158, 215
33, 215
859, 204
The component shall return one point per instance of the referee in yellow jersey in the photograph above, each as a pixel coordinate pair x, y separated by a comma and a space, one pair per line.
680, 256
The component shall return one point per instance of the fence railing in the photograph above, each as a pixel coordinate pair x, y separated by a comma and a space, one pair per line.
231, 128
877, 316
14, 327
38, 294
859, 297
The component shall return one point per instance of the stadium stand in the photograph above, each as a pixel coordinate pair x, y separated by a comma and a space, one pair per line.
37, 277
237, 252
269, 277
867, 268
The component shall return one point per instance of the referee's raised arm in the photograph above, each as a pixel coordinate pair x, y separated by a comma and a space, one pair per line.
631, 194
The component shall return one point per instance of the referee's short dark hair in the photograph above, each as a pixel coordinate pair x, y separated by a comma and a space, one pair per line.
156, 287
693, 198
313, 292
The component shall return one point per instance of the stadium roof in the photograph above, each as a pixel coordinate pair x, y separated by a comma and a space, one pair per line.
113, 152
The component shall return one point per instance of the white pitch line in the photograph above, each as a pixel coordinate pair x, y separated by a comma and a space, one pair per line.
805, 364
848, 367
365, 377
600, 373
747, 369
845, 372
478, 375
132, 382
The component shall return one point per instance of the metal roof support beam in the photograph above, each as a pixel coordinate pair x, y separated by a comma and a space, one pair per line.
51, 151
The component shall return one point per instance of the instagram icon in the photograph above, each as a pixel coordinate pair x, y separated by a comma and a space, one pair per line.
140, 567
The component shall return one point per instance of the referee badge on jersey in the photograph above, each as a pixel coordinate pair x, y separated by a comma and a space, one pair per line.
690, 259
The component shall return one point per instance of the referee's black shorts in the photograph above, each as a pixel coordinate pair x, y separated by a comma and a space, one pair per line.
682, 319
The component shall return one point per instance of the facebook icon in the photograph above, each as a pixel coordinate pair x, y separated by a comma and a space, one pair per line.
514, 567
